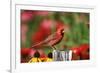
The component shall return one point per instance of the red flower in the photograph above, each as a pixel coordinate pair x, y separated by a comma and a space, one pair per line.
27, 52
76, 50
84, 48
82, 51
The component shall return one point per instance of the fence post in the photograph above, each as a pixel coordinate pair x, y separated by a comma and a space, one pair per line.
62, 55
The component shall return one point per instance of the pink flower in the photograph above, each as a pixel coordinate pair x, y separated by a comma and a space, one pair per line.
24, 29
47, 24
42, 13
26, 16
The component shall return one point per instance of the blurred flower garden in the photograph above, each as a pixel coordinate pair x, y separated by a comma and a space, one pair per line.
36, 26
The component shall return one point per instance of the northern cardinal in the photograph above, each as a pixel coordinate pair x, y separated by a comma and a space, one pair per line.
53, 39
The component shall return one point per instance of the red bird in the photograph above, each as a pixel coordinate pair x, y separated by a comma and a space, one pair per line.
53, 39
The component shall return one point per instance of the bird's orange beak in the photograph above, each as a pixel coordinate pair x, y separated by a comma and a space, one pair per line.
63, 31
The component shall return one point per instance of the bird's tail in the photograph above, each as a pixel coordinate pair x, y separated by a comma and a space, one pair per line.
38, 44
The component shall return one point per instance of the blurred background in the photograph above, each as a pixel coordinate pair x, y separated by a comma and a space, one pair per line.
36, 26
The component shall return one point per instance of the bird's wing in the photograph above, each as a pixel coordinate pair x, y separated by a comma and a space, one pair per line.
48, 39
51, 37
